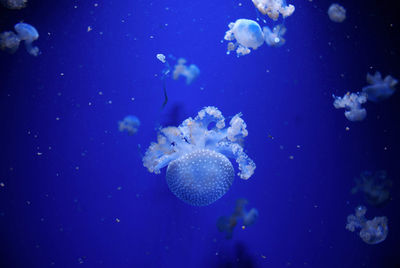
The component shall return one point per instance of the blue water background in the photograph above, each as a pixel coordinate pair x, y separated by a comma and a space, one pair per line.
88, 201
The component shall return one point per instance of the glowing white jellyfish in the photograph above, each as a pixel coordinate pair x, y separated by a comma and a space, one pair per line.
196, 153
248, 34
379, 89
161, 57
336, 13
130, 124
273, 8
191, 72
14, 4
226, 224
275, 38
372, 231
9, 41
352, 103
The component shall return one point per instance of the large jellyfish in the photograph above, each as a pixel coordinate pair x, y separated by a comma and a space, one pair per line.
336, 13
190, 72
247, 33
9, 41
199, 172
352, 103
372, 231
130, 124
275, 38
227, 224
273, 8
379, 89
14, 4
375, 186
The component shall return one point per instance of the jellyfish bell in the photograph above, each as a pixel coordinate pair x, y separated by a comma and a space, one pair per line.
28, 34
201, 177
336, 13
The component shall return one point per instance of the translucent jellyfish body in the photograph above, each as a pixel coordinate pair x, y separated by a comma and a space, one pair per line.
372, 231
375, 186
9, 41
226, 224
199, 172
14, 4
352, 103
191, 72
275, 38
336, 13
130, 124
379, 89
273, 8
248, 34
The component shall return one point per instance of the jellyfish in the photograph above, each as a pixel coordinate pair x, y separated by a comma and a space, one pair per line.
352, 103
379, 89
190, 72
375, 187
129, 124
226, 224
273, 8
14, 4
336, 13
161, 57
28, 33
9, 41
248, 34
196, 153
372, 231
274, 38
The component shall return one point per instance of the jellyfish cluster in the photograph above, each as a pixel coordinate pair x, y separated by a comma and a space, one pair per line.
190, 72
375, 187
274, 8
352, 103
336, 13
244, 34
196, 153
129, 124
9, 41
379, 89
372, 231
14, 4
226, 224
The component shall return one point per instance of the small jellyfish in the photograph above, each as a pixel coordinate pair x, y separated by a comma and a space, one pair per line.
379, 89
161, 57
336, 13
28, 33
372, 231
199, 172
14, 4
9, 41
274, 38
191, 72
273, 8
227, 224
375, 187
248, 34
352, 103
129, 124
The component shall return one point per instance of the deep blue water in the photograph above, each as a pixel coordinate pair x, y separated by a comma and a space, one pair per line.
87, 200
